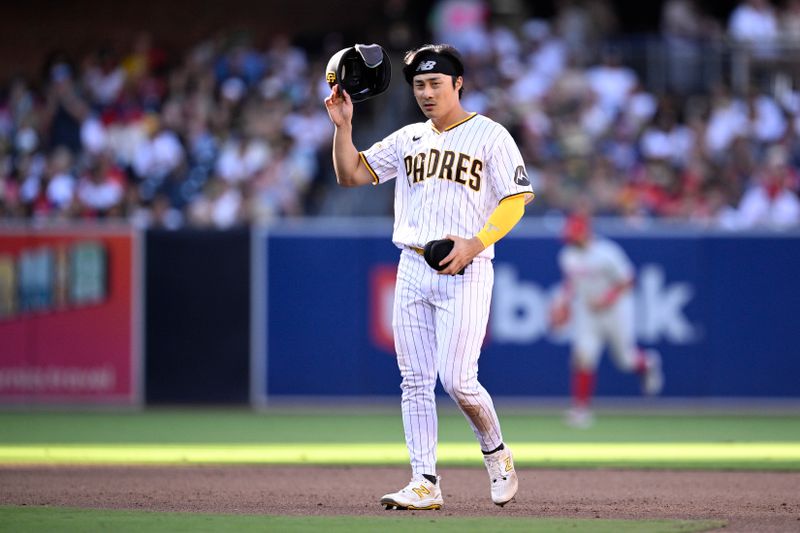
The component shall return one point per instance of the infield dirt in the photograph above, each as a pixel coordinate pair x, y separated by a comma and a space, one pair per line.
748, 501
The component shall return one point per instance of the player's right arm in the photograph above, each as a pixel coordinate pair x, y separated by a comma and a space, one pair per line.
350, 170
560, 306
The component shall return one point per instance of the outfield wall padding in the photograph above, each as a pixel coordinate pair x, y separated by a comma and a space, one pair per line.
198, 316
722, 308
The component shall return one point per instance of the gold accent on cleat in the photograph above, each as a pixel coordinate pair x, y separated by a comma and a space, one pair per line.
390, 504
421, 491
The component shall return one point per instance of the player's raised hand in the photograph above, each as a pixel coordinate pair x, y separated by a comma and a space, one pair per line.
462, 254
339, 106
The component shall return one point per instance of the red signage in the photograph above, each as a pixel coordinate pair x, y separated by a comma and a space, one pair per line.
381, 295
69, 316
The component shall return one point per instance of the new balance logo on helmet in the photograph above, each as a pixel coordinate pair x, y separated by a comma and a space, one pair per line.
426, 65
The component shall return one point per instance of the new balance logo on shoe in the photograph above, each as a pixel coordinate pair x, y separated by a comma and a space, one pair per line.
503, 480
421, 491
420, 494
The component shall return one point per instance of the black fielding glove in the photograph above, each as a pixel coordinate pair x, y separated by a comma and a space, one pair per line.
437, 250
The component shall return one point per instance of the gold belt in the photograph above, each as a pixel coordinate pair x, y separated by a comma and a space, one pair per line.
420, 251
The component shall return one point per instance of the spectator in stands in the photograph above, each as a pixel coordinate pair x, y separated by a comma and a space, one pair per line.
221, 206
639, 110
242, 158
240, 61
104, 78
612, 81
309, 127
766, 121
101, 188
542, 62
666, 141
278, 188
230, 133
288, 63
771, 200
158, 162
49, 192
728, 121
65, 109
753, 23
17, 109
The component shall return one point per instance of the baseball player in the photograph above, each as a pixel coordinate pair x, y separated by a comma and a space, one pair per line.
460, 176
596, 293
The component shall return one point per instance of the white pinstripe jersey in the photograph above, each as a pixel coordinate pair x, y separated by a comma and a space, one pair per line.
447, 182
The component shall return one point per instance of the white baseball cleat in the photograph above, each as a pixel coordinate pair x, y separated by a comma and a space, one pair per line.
579, 417
418, 495
653, 378
502, 476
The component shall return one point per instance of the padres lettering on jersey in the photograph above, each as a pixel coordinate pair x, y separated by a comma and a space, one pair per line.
454, 179
459, 168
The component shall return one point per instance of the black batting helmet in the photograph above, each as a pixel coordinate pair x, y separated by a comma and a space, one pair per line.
363, 70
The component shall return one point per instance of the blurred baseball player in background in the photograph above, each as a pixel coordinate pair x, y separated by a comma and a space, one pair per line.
460, 176
596, 294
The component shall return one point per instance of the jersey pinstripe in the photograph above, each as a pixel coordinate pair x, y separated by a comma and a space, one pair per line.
447, 182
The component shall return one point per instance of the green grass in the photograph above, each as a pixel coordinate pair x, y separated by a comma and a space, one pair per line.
37, 519
297, 436
208, 426
756, 455
293, 436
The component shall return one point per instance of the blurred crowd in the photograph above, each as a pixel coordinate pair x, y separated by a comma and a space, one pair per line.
230, 133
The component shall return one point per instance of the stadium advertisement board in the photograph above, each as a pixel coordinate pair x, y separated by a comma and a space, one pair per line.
716, 305
69, 324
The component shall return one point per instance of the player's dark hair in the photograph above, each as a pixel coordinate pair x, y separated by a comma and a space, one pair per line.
448, 51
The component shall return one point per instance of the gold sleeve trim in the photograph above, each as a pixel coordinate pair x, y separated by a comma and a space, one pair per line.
375, 179
529, 196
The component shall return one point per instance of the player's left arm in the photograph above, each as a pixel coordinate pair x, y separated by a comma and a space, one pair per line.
505, 216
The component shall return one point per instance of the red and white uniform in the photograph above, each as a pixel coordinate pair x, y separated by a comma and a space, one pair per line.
592, 272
